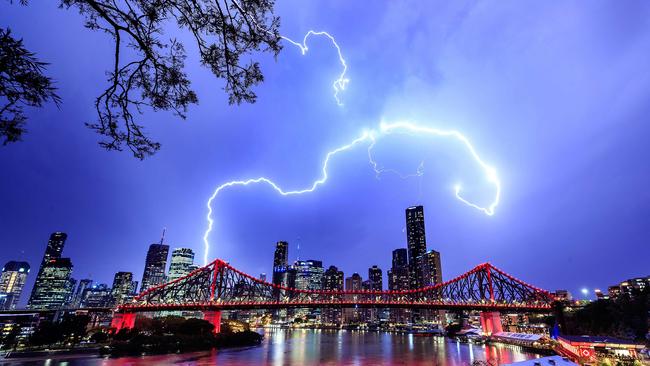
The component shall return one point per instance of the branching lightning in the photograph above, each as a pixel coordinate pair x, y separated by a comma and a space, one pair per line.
370, 137
340, 83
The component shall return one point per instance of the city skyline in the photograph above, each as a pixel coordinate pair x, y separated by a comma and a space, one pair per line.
162, 266
523, 106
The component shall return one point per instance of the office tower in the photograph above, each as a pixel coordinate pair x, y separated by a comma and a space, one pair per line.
181, 263
12, 282
375, 278
416, 244
280, 261
263, 277
400, 258
54, 247
154, 266
97, 296
309, 274
398, 280
79, 292
122, 290
39, 298
353, 283
431, 268
53, 285
332, 281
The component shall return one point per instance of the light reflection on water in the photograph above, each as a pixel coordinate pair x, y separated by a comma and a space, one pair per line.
320, 347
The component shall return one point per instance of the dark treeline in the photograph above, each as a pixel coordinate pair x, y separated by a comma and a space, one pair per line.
163, 335
625, 317
177, 334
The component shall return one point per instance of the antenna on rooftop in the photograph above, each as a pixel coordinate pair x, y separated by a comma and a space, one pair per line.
162, 238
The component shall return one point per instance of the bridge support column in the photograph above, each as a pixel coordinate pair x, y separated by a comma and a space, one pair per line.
214, 317
491, 322
123, 321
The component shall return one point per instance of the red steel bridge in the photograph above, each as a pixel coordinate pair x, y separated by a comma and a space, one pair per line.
219, 286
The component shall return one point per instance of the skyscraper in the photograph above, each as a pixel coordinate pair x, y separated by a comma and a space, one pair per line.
154, 266
123, 288
416, 244
77, 299
280, 261
431, 268
309, 274
12, 282
332, 281
375, 277
353, 283
398, 280
180, 263
53, 284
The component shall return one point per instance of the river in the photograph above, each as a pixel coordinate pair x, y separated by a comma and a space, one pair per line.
314, 347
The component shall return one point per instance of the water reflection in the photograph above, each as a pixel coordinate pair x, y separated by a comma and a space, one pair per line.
319, 347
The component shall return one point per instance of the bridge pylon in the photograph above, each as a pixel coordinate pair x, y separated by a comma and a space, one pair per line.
123, 321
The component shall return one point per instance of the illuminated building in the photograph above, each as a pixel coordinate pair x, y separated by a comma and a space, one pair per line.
263, 277
38, 298
398, 280
629, 287
416, 245
431, 268
353, 283
154, 266
181, 262
12, 282
375, 278
53, 287
614, 291
332, 281
280, 261
78, 294
309, 276
563, 295
97, 296
123, 288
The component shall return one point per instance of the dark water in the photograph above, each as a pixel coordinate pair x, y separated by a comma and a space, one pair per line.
313, 347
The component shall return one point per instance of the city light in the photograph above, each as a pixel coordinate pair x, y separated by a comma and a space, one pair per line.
370, 137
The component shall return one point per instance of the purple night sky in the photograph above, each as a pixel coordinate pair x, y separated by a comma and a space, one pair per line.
555, 95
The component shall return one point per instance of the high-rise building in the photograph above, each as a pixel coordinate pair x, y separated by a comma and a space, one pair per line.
353, 283
398, 280
79, 292
97, 296
332, 281
416, 244
123, 289
54, 247
181, 263
376, 278
154, 266
263, 277
400, 258
309, 274
12, 282
431, 268
280, 261
53, 285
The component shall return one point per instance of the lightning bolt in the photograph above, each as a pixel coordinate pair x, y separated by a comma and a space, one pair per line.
370, 137
340, 83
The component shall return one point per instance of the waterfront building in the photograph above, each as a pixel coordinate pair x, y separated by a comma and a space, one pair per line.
375, 276
78, 293
43, 287
154, 266
309, 276
280, 261
353, 283
53, 285
431, 268
97, 296
123, 288
416, 245
333, 281
12, 282
398, 280
181, 263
